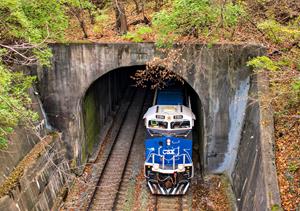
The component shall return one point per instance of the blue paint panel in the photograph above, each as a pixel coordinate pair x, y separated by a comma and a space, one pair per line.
179, 146
170, 96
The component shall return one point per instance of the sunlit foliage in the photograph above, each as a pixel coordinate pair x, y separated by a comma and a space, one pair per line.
14, 100
194, 17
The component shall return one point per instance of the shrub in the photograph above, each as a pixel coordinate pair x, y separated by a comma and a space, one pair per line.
138, 34
14, 102
279, 33
194, 17
263, 62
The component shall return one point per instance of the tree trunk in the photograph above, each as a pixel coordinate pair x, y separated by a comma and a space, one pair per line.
77, 14
83, 27
92, 16
121, 20
99, 3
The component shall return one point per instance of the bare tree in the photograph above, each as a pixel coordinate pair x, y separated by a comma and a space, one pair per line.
160, 70
77, 10
121, 19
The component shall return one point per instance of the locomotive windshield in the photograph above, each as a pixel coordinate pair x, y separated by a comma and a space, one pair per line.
158, 124
180, 124
175, 128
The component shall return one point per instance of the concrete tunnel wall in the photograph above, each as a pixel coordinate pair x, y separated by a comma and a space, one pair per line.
99, 102
219, 76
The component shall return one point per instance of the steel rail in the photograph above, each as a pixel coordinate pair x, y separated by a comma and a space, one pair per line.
140, 121
114, 151
131, 95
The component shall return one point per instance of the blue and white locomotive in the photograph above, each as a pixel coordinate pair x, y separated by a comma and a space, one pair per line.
168, 158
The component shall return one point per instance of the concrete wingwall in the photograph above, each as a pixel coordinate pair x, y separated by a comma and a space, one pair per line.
254, 178
41, 182
218, 74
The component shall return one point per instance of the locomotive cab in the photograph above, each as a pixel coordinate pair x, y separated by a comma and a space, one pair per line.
168, 157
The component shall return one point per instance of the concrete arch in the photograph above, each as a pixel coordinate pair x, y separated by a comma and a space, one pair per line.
218, 74
106, 84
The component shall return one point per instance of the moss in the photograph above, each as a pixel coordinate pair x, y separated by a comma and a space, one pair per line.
13, 179
228, 190
276, 207
73, 164
54, 134
91, 124
83, 154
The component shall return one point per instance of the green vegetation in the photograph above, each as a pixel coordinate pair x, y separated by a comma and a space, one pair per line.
137, 35
263, 62
26, 27
194, 17
279, 33
276, 207
91, 124
293, 167
32, 20
13, 101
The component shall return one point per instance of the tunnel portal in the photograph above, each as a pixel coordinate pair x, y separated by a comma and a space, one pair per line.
103, 99
218, 75
233, 138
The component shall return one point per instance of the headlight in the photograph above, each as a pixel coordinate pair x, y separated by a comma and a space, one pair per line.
181, 167
155, 167
168, 142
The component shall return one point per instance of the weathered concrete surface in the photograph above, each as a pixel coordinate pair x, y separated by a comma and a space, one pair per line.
100, 102
40, 183
254, 178
21, 141
219, 76
18, 147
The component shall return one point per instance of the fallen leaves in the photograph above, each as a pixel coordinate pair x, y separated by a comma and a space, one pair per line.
211, 195
287, 132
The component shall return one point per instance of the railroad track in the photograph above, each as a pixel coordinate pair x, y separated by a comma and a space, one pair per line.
168, 203
173, 203
131, 181
108, 185
117, 181
178, 203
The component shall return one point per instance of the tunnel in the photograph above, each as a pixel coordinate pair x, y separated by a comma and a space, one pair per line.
229, 132
104, 97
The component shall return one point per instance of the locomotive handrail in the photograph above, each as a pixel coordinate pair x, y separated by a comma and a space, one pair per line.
184, 157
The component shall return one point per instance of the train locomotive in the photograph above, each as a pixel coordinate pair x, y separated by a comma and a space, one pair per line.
168, 166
